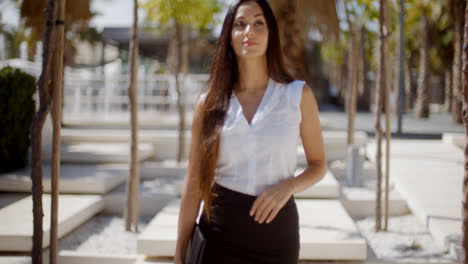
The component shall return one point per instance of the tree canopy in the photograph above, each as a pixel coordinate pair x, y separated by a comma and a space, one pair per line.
199, 14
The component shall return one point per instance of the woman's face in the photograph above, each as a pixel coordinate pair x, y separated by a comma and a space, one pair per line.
249, 35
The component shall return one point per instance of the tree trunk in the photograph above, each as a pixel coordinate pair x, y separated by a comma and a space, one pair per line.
400, 90
45, 87
448, 90
409, 85
57, 113
378, 131
292, 42
132, 207
352, 77
179, 61
388, 83
465, 123
343, 80
363, 101
457, 62
396, 67
423, 97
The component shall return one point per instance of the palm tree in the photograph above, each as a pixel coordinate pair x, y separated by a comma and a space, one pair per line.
400, 71
296, 19
456, 8
196, 14
352, 74
423, 96
77, 15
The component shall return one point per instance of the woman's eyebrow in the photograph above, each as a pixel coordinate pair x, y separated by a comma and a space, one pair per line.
241, 17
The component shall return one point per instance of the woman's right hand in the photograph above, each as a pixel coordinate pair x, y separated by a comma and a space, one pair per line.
178, 259
190, 198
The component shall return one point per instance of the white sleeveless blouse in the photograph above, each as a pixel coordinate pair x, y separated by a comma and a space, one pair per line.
254, 157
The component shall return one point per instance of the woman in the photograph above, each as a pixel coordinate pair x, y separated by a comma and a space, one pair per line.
245, 132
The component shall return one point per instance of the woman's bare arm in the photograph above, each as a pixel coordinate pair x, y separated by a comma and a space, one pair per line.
190, 200
312, 141
270, 202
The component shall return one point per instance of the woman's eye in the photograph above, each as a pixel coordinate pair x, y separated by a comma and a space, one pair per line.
239, 24
259, 23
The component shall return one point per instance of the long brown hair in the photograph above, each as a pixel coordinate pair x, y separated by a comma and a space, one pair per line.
224, 74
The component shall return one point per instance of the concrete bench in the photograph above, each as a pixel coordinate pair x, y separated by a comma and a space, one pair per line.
16, 220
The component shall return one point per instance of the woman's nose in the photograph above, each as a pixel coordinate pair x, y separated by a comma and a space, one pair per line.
248, 30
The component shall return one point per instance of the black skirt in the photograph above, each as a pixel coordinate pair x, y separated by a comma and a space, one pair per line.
233, 236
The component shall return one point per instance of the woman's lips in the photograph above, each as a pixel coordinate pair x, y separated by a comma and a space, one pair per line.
249, 43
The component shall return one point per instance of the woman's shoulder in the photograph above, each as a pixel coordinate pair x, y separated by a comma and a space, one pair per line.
293, 87
203, 96
297, 84
293, 91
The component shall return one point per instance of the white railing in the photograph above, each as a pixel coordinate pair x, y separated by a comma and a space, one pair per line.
88, 93
156, 93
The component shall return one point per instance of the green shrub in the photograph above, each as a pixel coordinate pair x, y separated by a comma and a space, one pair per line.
17, 109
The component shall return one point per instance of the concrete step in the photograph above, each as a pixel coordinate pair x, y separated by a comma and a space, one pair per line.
429, 175
7, 198
165, 141
327, 232
360, 202
335, 143
71, 257
435, 150
338, 169
98, 153
168, 168
164, 120
153, 196
16, 219
457, 139
85, 178
327, 187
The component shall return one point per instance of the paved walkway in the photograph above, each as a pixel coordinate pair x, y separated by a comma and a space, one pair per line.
437, 123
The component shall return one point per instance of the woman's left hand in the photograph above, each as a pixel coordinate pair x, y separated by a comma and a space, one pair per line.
269, 203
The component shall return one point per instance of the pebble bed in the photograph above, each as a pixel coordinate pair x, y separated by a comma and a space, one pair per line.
103, 234
407, 240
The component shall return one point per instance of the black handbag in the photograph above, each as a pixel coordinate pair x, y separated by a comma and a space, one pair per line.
196, 247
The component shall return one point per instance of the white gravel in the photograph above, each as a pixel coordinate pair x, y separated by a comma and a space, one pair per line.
103, 234
407, 240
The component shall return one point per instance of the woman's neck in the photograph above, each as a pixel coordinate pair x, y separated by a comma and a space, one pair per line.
253, 74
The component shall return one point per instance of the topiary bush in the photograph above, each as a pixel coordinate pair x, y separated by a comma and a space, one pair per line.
17, 109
